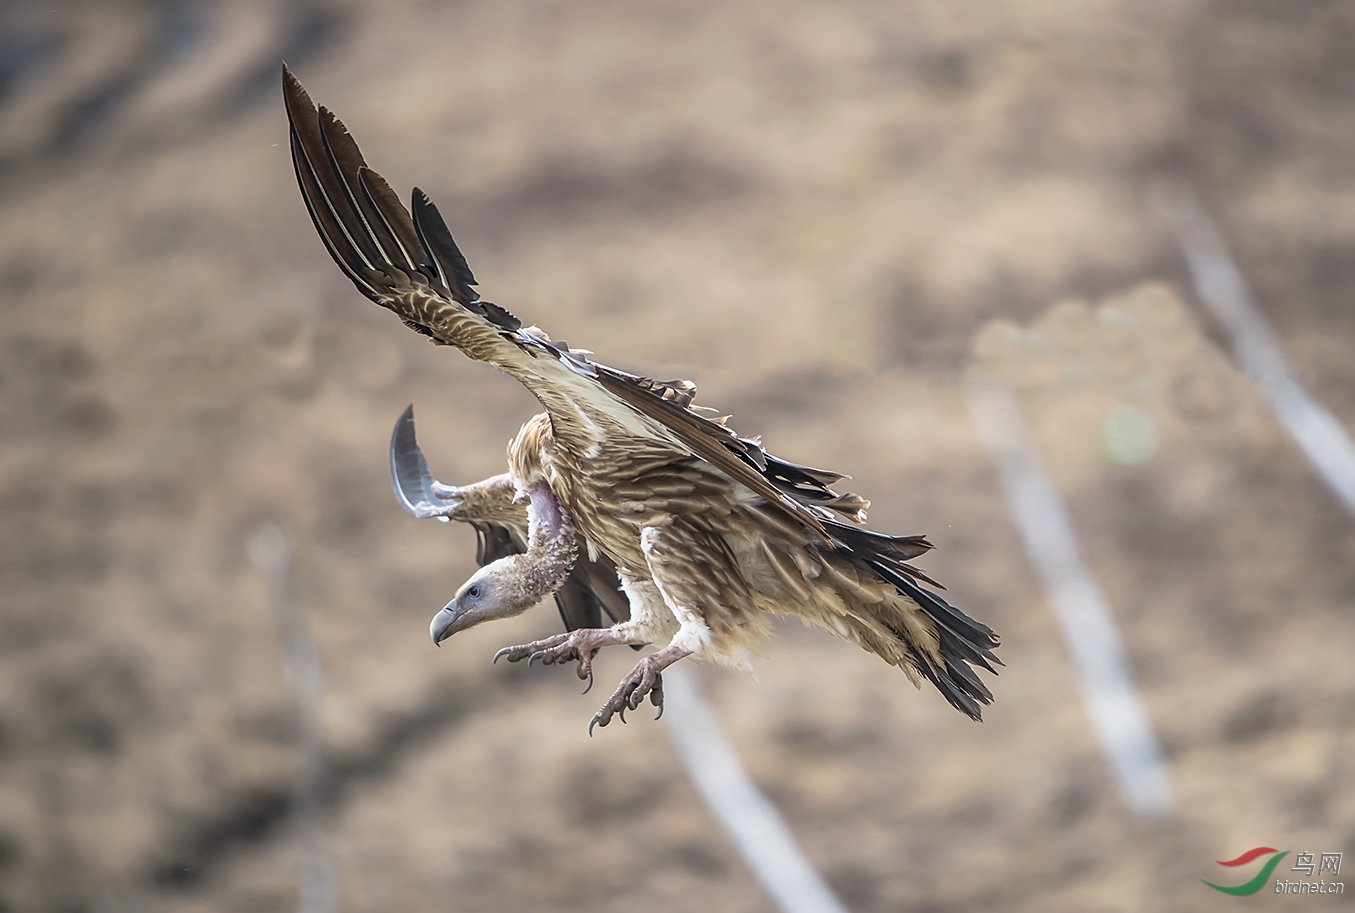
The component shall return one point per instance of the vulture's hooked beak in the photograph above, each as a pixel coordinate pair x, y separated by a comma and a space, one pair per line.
443, 623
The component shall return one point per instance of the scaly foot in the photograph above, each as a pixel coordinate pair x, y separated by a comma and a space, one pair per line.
581, 645
645, 679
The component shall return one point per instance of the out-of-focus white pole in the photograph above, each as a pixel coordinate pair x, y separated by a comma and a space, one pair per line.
749, 817
1221, 287
270, 550
1117, 714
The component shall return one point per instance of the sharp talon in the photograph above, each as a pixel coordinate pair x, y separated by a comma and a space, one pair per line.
590, 683
501, 653
531, 659
660, 713
634, 700
622, 713
593, 723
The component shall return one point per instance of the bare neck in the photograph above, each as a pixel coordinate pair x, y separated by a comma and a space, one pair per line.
552, 546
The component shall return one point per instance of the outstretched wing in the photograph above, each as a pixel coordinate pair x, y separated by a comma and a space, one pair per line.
412, 266
414, 485
592, 588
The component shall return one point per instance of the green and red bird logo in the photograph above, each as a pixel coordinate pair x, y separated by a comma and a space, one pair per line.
1256, 881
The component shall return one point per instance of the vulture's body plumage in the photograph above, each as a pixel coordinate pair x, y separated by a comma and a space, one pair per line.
622, 480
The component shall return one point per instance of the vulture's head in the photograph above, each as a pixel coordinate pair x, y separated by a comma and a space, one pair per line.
493, 591
512, 585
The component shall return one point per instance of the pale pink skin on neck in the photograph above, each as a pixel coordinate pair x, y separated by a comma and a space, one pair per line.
511, 586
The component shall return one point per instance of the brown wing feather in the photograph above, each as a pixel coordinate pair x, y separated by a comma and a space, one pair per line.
428, 284
367, 232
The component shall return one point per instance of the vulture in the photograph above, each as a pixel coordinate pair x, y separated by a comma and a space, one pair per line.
623, 498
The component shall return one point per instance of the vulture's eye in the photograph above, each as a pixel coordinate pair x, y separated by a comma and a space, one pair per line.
473, 592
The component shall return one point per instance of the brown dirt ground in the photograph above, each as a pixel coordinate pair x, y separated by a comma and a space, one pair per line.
817, 211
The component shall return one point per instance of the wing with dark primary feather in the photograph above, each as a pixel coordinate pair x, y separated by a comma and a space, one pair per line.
592, 588
411, 265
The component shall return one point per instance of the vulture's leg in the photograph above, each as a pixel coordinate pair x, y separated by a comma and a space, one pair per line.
645, 679
581, 644
650, 622
687, 570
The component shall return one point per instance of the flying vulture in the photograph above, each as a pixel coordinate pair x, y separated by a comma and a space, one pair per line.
623, 498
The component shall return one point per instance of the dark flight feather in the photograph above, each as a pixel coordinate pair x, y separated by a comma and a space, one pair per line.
438, 240
360, 219
348, 238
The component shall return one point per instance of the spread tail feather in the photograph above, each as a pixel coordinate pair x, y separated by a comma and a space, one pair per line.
962, 642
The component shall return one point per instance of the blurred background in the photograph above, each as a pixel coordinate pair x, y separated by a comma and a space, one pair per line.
826, 214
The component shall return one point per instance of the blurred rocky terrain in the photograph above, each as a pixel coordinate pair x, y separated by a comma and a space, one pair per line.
825, 213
